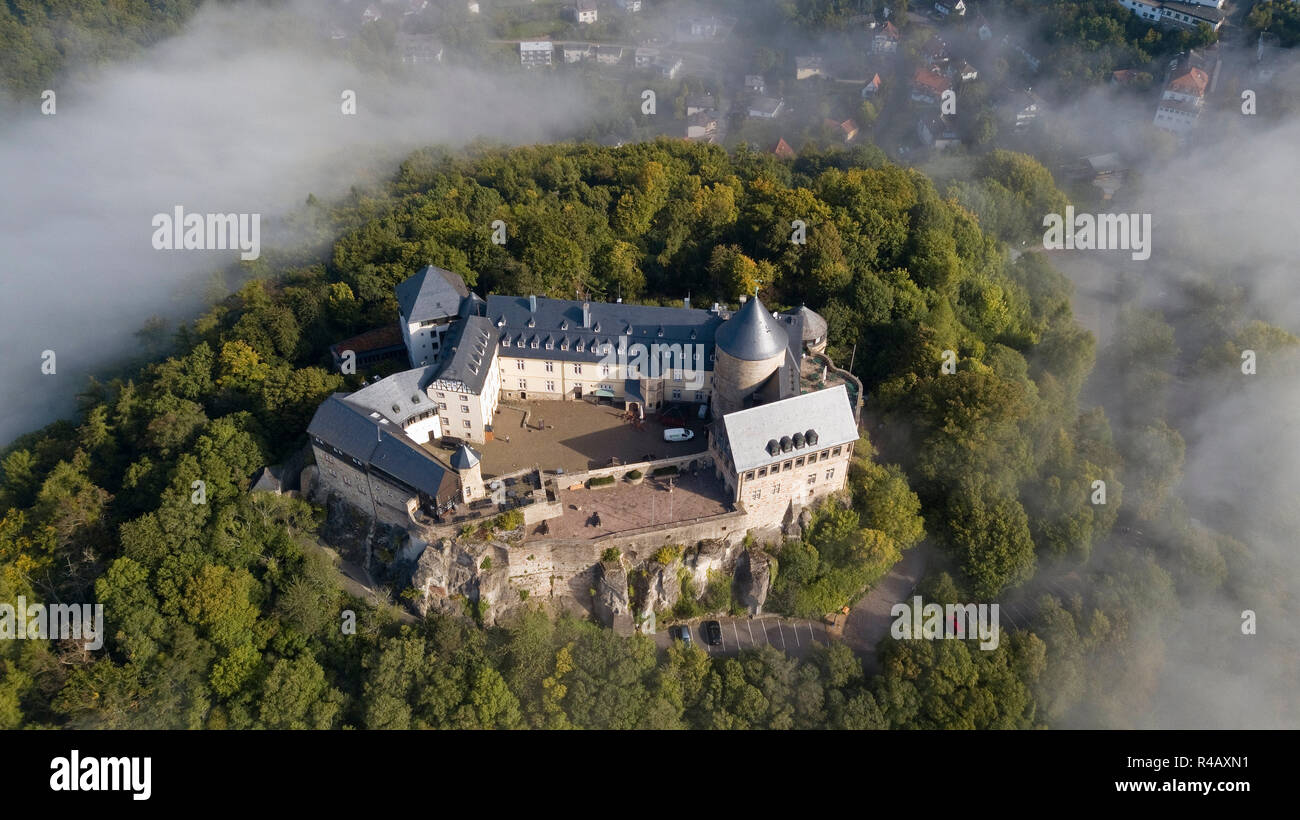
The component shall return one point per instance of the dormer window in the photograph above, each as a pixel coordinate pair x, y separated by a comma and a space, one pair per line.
581, 346
505, 343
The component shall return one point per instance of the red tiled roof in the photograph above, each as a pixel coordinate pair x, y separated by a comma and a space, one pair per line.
1190, 81
783, 150
930, 80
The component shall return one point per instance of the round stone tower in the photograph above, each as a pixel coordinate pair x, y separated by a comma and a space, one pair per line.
749, 348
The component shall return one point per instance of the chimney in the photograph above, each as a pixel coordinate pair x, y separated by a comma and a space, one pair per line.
532, 304
744, 299
586, 314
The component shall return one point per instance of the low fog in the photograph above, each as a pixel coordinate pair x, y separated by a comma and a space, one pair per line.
240, 114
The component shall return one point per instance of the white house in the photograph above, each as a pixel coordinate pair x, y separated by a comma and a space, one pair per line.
536, 52
584, 11
630, 6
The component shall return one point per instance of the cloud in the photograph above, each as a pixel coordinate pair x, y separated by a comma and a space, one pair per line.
240, 113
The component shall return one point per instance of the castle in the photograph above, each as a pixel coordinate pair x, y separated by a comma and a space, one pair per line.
408, 449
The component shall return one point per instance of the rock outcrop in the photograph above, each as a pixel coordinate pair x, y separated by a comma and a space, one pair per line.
449, 571
610, 603
753, 579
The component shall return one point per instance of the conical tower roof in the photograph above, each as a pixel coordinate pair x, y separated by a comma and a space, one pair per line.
752, 334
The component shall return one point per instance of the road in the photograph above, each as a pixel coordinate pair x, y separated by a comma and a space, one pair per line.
869, 620
794, 637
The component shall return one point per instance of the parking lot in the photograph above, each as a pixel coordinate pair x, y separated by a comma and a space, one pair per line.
794, 637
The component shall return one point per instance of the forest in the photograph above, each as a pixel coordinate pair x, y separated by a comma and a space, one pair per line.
226, 614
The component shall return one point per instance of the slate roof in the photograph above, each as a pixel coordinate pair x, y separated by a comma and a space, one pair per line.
752, 335
354, 433
560, 320
433, 293
746, 433
464, 458
396, 397
811, 325
468, 349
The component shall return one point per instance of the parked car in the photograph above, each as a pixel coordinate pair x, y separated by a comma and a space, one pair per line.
681, 633
678, 434
713, 632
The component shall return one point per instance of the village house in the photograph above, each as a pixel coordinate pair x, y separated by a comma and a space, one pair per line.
754, 84
946, 8
702, 124
630, 6
765, 108
645, 57
928, 87
808, 67
1025, 107
1182, 100
609, 55
574, 52
536, 52
885, 40
701, 102
938, 133
668, 67
847, 130
872, 87
584, 12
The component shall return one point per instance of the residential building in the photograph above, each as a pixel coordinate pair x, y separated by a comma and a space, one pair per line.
765, 108
584, 12
928, 86
536, 52
885, 40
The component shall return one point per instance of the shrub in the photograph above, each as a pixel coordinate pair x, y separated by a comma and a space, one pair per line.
507, 521
669, 470
668, 553
634, 475
523, 595
610, 554
487, 563
600, 481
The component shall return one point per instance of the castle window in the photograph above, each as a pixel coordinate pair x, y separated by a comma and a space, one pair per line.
812, 478
519, 364
825, 455
830, 474
798, 462
785, 467
464, 408
757, 494
749, 476
835, 452
523, 384
550, 387
550, 367
762, 472
464, 398
577, 369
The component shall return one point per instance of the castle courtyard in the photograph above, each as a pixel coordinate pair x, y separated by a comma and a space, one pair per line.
577, 436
